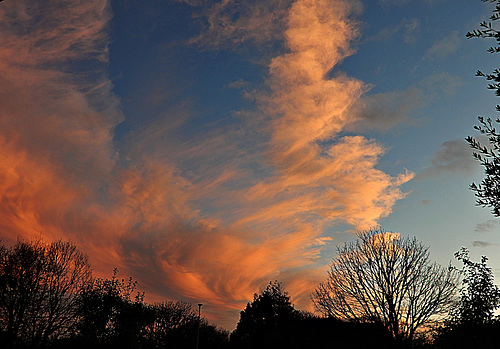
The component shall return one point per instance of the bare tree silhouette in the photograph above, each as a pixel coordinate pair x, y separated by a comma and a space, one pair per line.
385, 278
40, 284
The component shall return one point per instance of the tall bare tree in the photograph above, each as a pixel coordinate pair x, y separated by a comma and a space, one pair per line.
40, 284
383, 277
21, 268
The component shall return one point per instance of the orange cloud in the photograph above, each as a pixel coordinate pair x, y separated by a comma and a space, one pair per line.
212, 218
311, 110
235, 22
56, 144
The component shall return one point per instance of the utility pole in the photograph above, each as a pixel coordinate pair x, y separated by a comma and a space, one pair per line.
198, 329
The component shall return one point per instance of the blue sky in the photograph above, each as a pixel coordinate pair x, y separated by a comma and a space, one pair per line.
207, 147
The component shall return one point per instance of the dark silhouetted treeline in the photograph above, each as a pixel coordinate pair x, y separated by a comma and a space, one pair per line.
271, 321
48, 299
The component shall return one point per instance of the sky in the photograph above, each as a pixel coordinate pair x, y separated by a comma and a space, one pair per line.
206, 148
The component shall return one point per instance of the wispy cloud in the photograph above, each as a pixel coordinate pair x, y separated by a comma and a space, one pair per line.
440, 85
56, 126
394, 2
387, 110
384, 111
231, 22
454, 156
407, 29
402, 2
444, 47
489, 226
214, 216
482, 244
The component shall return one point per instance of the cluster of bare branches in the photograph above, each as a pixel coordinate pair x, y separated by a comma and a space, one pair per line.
385, 278
39, 288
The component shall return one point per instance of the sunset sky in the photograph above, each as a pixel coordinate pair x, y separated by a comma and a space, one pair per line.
206, 148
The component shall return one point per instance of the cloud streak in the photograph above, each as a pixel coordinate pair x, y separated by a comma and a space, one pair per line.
56, 128
482, 244
445, 47
488, 226
232, 22
454, 157
311, 110
214, 216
